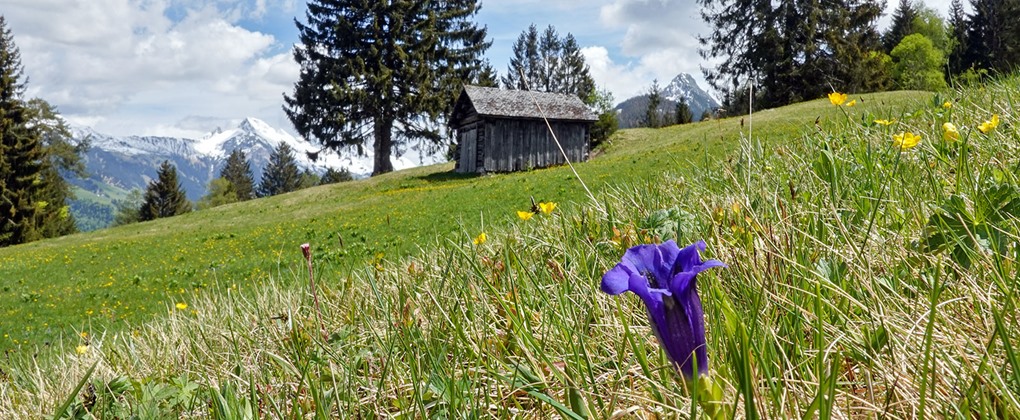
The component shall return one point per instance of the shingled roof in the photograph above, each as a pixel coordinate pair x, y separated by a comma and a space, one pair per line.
493, 102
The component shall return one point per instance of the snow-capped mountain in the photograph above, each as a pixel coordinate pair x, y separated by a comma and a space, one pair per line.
258, 140
632, 111
684, 86
116, 165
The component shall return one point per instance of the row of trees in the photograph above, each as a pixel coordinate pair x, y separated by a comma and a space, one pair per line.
549, 63
933, 50
165, 196
791, 50
34, 150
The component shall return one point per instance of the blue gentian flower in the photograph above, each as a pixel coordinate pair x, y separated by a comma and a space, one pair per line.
665, 277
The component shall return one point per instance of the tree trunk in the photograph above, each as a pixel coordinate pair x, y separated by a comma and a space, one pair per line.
383, 146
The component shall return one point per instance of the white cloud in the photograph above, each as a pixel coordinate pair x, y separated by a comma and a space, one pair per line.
624, 80
100, 59
659, 41
652, 25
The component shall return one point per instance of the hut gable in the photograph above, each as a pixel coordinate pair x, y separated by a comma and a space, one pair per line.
505, 130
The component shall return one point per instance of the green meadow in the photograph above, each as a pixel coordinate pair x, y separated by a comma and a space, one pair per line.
115, 279
864, 280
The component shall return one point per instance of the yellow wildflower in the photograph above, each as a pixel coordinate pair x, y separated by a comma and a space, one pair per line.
547, 208
989, 125
947, 105
525, 215
885, 122
852, 103
481, 238
81, 349
949, 132
906, 140
182, 306
837, 98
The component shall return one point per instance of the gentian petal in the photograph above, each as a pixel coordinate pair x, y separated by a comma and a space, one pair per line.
667, 254
652, 297
617, 280
681, 283
641, 258
688, 257
695, 313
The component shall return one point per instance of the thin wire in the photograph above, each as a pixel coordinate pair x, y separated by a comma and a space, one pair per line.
560, 146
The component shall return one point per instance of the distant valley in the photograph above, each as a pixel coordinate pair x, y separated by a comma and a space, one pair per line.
117, 165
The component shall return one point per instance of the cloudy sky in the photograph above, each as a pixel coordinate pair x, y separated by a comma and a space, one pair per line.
186, 67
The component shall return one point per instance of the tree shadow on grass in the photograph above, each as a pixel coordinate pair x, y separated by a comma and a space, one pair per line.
447, 176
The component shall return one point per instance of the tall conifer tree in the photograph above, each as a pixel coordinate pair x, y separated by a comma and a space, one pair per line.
902, 25
549, 63
993, 41
549, 48
682, 114
164, 197
958, 38
522, 71
281, 175
486, 76
652, 118
791, 50
21, 153
237, 171
382, 72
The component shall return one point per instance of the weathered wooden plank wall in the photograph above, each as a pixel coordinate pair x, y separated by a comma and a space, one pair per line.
517, 145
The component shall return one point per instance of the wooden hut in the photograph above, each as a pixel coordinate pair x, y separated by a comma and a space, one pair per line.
505, 130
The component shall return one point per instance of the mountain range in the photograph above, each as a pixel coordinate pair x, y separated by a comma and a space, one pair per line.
116, 165
631, 112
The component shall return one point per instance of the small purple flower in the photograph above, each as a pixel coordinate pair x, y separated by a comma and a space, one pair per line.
665, 277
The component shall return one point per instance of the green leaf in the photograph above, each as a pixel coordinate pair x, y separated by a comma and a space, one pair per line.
62, 410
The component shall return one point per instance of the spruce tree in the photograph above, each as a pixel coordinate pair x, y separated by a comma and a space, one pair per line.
281, 175
993, 41
549, 51
958, 38
651, 118
382, 72
164, 197
486, 76
902, 25
548, 63
683, 114
21, 152
575, 75
791, 50
522, 71
237, 172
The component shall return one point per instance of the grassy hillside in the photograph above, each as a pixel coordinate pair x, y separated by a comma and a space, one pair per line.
863, 280
117, 277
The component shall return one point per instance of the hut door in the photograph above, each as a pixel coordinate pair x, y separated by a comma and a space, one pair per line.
469, 150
